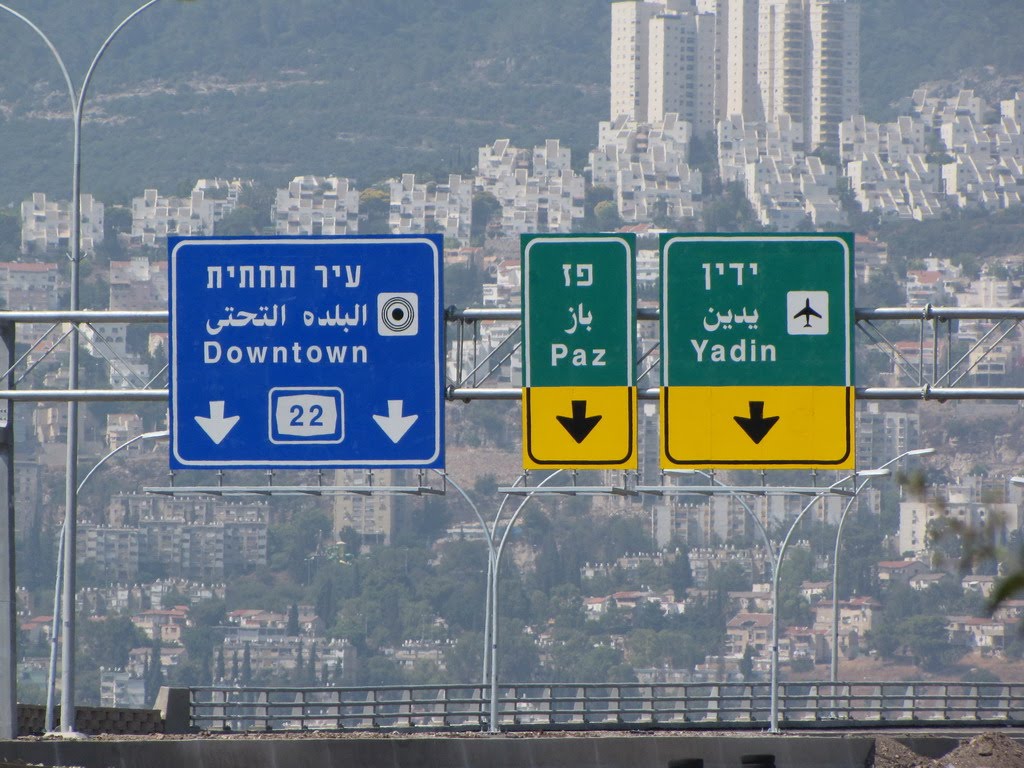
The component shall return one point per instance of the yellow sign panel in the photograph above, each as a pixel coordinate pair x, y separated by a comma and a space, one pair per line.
760, 427
579, 427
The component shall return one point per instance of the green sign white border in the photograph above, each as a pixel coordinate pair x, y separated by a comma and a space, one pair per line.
848, 309
630, 371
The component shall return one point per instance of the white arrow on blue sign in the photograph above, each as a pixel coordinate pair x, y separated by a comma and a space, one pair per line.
309, 352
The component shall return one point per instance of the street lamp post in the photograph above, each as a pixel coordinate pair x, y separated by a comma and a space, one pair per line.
67, 714
774, 727
490, 564
834, 670
492, 592
776, 558
51, 678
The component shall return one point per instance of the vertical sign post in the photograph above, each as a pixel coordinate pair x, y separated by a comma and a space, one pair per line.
8, 592
757, 351
579, 351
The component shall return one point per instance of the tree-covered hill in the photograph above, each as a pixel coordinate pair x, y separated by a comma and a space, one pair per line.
264, 88
271, 89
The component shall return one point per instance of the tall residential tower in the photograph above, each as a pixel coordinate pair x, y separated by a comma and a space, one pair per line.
710, 60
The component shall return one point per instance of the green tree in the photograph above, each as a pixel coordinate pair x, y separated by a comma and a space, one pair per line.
606, 214
680, 574
154, 678
747, 663
485, 208
374, 210
107, 643
927, 640
731, 212
292, 628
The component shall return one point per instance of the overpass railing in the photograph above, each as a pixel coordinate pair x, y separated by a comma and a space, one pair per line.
803, 705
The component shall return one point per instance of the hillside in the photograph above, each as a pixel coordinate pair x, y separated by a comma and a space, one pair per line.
265, 89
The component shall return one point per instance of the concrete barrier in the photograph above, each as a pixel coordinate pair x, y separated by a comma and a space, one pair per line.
95, 720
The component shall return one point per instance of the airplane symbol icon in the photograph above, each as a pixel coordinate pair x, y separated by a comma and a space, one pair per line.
807, 313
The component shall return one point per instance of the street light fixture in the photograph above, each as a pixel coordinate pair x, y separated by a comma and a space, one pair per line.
493, 570
774, 727
51, 678
67, 714
775, 559
834, 665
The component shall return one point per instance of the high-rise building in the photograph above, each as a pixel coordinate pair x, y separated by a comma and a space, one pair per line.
782, 59
737, 55
681, 68
663, 61
629, 76
713, 60
833, 41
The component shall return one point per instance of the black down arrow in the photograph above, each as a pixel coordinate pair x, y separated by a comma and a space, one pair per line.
579, 425
756, 425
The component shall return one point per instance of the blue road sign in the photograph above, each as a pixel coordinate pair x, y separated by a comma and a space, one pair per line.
306, 352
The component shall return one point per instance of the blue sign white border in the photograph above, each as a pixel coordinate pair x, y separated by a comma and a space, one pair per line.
439, 355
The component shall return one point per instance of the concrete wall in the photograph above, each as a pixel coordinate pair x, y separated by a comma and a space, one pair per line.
471, 751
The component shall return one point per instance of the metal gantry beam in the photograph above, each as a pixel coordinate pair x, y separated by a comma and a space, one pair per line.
930, 359
932, 367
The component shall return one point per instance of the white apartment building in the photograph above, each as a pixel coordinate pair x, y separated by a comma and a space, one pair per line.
808, 55
122, 427
936, 110
46, 225
833, 42
893, 173
630, 57
30, 286
892, 142
138, 283
665, 49
787, 189
432, 207
993, 523
316, 205
781, 60
681, 63
155, 218
371, 515
738, 37
742, 143
655, 186
538, 192
715, 60
884, 434
646, 164
500, 160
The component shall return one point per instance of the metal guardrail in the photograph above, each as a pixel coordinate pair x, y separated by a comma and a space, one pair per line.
803, 705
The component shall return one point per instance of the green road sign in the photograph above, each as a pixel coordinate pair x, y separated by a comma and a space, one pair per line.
765, 310
579, 351
579, 310
756, 351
